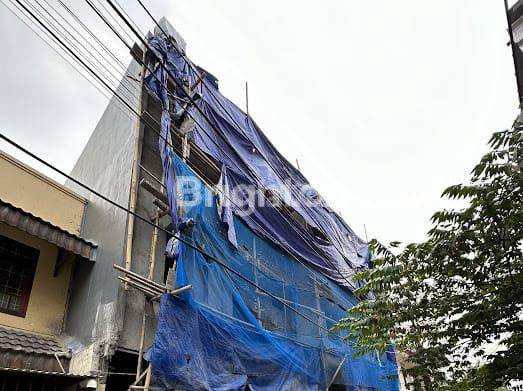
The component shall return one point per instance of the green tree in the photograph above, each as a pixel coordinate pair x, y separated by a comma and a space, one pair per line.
451, 300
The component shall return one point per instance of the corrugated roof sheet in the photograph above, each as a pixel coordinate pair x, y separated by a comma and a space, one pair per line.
34, 225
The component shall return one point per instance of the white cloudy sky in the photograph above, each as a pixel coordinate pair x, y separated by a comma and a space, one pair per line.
384, 103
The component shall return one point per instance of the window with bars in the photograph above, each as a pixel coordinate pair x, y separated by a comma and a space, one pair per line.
17, 270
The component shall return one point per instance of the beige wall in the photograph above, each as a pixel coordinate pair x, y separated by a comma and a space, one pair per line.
35, 193
26, 188
48, 300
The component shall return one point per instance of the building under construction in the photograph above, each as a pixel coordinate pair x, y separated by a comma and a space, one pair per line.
231, 268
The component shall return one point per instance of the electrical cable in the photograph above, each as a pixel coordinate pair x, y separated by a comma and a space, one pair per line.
176, 82
169, 233
88, 30
117, 69
59, 32
239, 128
131, 109
61, 55
115, 79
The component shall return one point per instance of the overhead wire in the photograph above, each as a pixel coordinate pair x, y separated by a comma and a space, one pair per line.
189, 244
115, 78
152, 128
147, 221
71, 60
238, 126
200, 111
64, 56
116, 67
159, 227
93, 36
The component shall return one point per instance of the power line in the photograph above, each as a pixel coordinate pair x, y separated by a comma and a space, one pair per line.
200, 111
82, 24
72, 42
69, 59
76, 44
239, 128
89, 43
152, 128
80, 60
123, 101
61, 55
147, 221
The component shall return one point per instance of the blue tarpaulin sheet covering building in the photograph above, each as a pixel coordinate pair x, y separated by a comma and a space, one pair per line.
269, 329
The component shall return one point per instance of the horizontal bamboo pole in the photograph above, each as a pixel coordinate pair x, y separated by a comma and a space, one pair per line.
138, 276
138, 286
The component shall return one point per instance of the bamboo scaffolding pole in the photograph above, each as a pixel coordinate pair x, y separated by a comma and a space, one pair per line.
139, 378
154, 191
145, 282
141, 285
148, 378
156, 179
142, 341
138, 276
152, 257
134, 177
338, 369
138, 286
152, 252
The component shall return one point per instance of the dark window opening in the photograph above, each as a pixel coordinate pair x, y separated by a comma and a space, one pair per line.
300, 221
168, 265
17, 270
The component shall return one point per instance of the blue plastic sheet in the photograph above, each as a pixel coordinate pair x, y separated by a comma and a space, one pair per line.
231, 137
227, 333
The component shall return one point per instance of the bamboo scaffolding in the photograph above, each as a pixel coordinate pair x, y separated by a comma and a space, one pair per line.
135, 173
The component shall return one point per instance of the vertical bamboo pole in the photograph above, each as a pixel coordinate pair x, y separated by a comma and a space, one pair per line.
154, 241
142, 340
148, 378
320, 332
152, 258
134, 177
152, 263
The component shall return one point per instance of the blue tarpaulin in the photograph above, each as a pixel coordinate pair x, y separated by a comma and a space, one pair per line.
227, 333
231, 137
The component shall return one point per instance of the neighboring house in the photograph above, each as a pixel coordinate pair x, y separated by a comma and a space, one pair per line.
40, 223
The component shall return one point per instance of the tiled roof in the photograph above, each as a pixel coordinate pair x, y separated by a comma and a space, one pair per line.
36, 226
22, 341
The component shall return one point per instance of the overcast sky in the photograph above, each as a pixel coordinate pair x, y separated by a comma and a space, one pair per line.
384, 103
